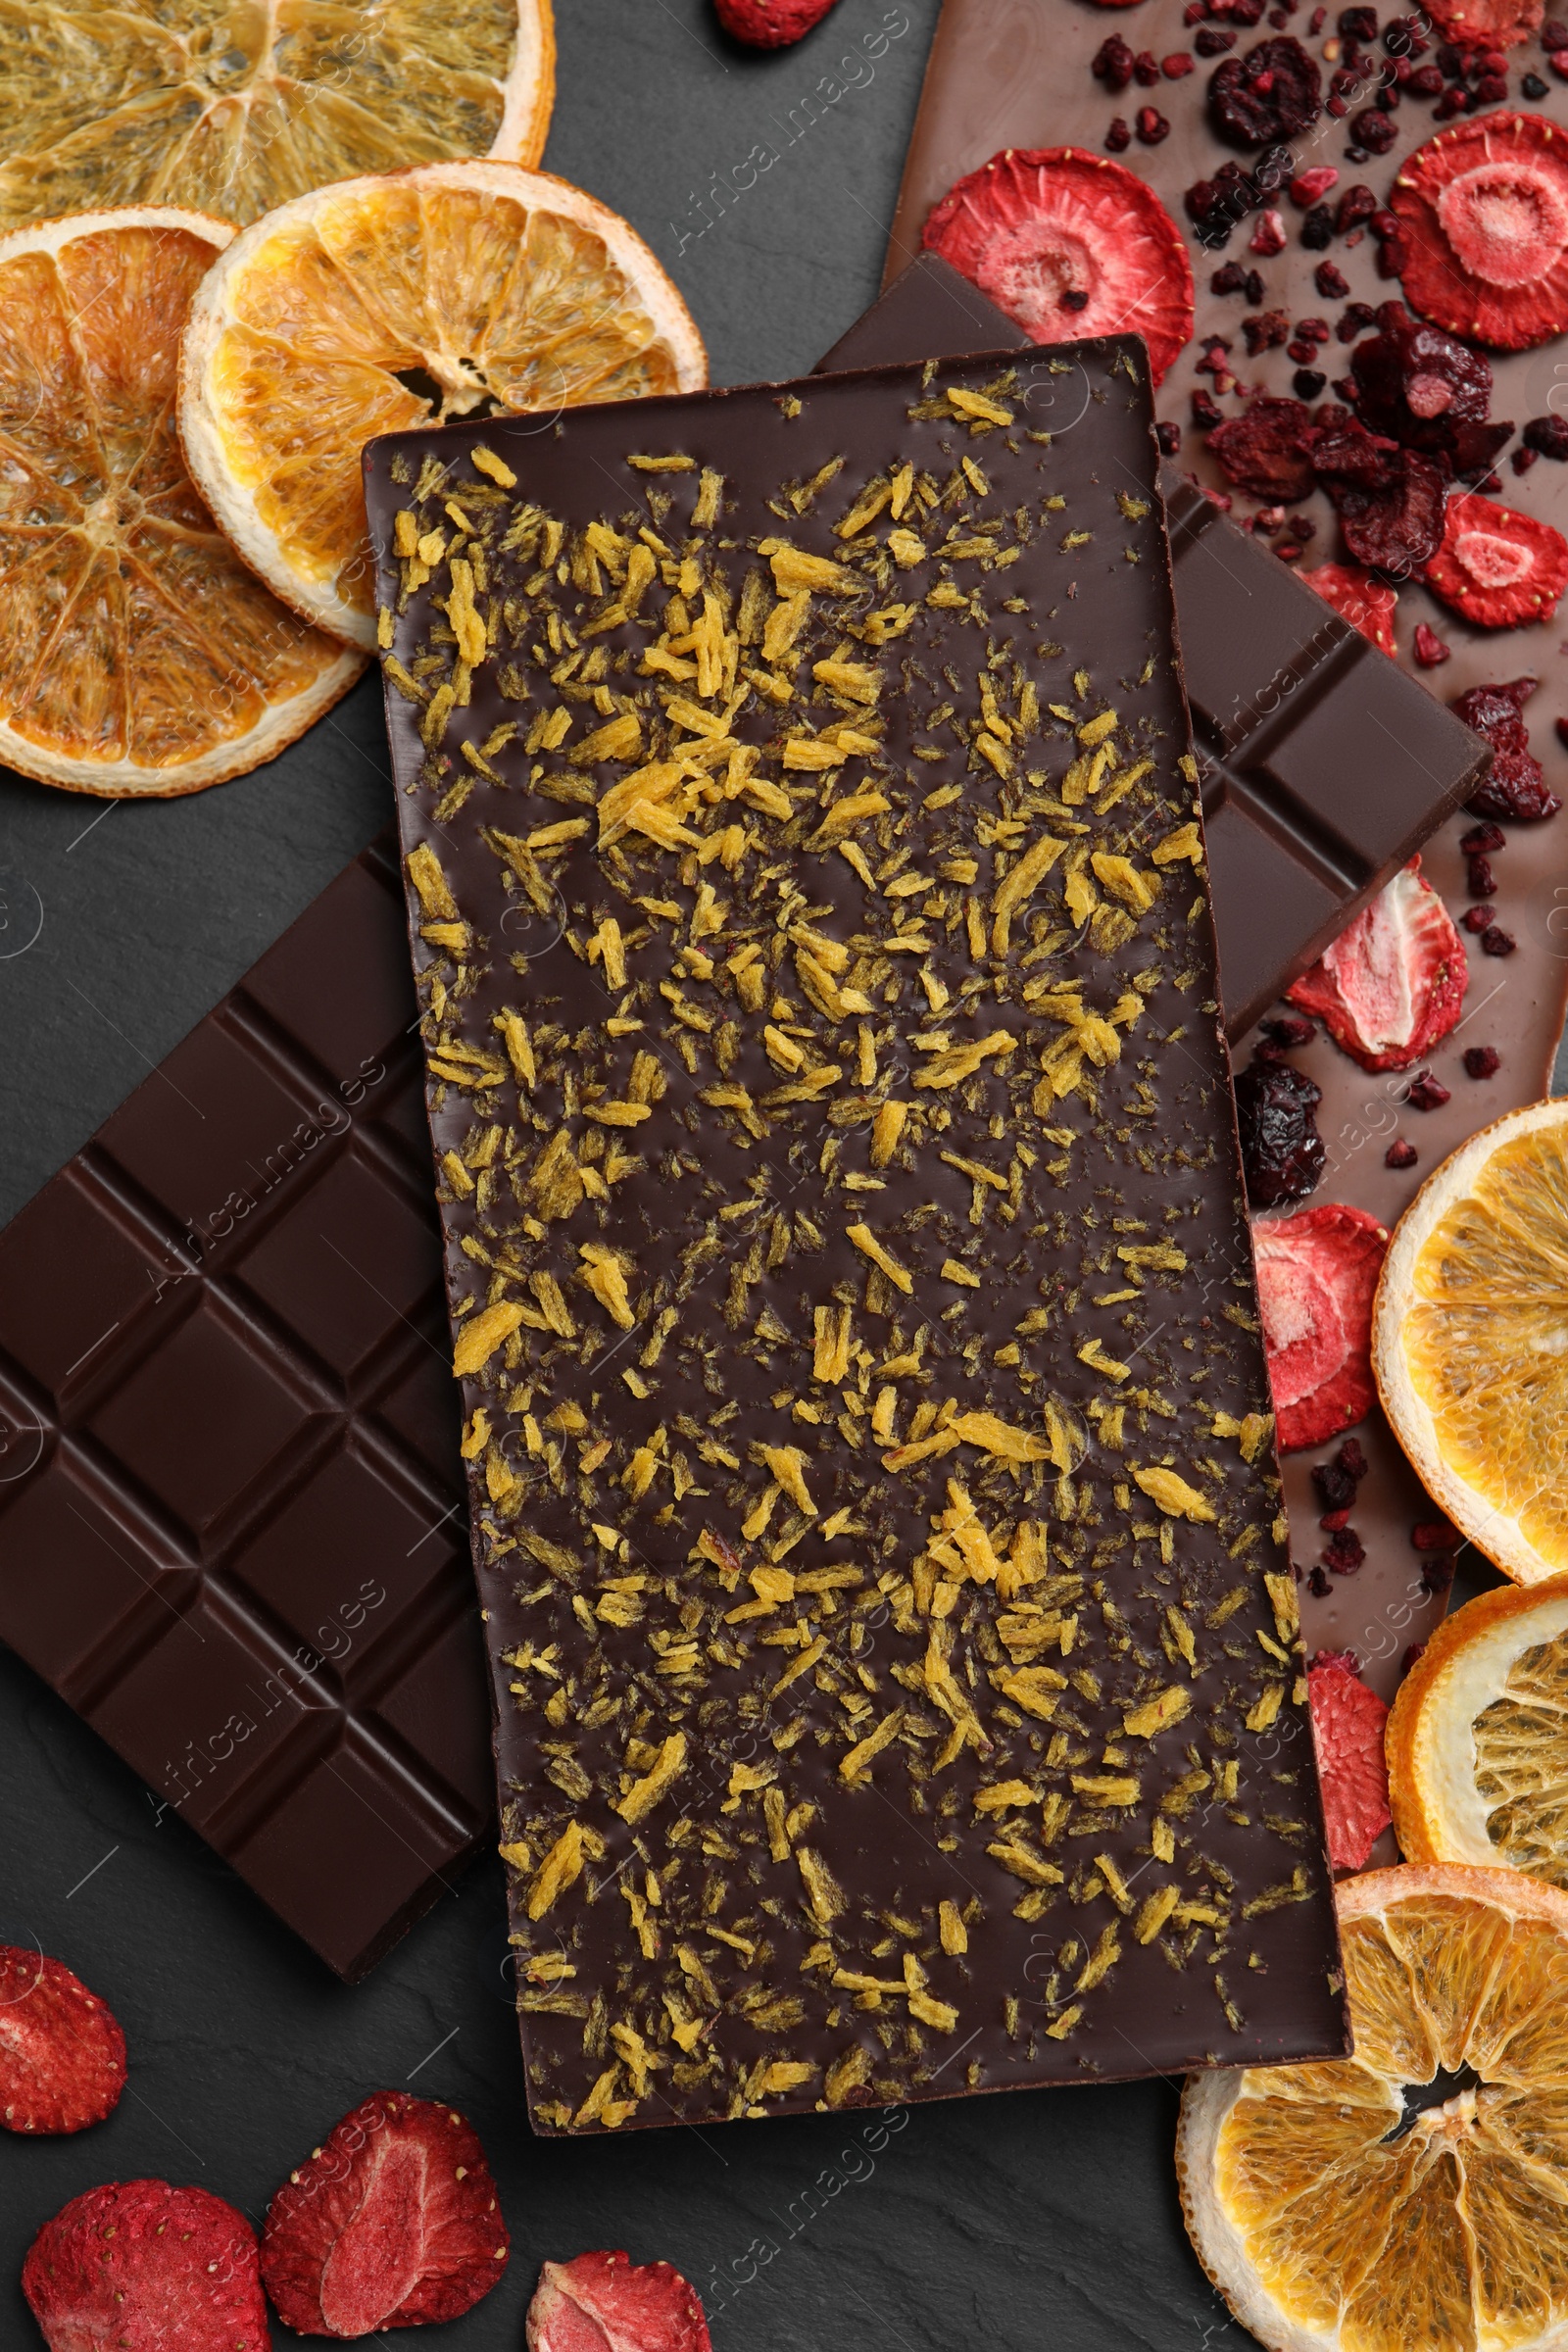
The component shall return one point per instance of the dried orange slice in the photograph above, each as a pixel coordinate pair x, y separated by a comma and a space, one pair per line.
1417, 2193
138, 654
446, 291
1478, 1739
1470, 1338
231, 108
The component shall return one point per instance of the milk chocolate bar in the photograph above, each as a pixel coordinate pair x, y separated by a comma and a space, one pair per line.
873, 1504
1325, 766
230, 1519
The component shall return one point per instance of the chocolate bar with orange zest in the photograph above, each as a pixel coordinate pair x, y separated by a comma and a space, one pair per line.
873, 1504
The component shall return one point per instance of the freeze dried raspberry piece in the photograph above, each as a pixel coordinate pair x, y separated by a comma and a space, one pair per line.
1316, 1273
770, 23
1487, 23
1268, 94
1499, 567
1515, 786
1348, 1721
62, 2052
1267, 451
1426, 389
1367, 604
1390, 501
141, 2266
608, 2303
1392, 981
392, 2223
1069, 244
1484, 209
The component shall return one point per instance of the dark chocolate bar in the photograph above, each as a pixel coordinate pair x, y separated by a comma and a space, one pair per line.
230, 1515
872, 1504
1325, 767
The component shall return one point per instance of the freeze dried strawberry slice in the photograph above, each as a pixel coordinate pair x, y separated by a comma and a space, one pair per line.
1485, 214
140, 2267
393, 2222
1499, 567
1392, 981
608, 2303
1348, 1721
1069, 244
1487, 23
1367, 604
62, 2052
1316, 1273
770, 23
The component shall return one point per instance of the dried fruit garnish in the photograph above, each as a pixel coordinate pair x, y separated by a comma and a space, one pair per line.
1482, 1062
1392, 981
1268, 450
607, 2303
392, 2223
1366, 603
1515, 787
1487, 23
774, 23
142, 2266
1316, 1274
1484, 212
1389, 500
1270, 93
1424, 388
1430, 650
1547, 437
1069, 244
1348, 1721
1499, 567
61, 2053
1283, 1153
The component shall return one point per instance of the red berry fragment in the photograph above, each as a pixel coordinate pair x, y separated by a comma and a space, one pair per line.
1345, 1553
1430, 650
1487, 23
1485, 208
1316, 1273
1477, 918
62, 2052
1268, 450
1436, 1535
1481, 881
1426, 1093
1367, 604
1547, 437
1392, 981
1268, 237
1495, 941
1309, 186
1482, 1062
392, 2223
1069, 244
1482, 840
140, 2267
607, 2303
1499, 567
1390, 501
1348, 1721
770, 23
1400, 1154
1268, 94
1515, 787
1426, 389
1283, 1155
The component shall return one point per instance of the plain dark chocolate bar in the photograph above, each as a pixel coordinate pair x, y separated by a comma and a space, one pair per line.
892, 1645
230, 1514
1325, 766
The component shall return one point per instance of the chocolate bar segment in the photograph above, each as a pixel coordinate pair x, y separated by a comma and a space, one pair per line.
230, 1525
1325, 766
873, 1504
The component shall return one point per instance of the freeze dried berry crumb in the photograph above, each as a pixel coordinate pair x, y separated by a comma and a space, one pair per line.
770, 23
1336, 1487
1485, 208
1357, 204
1426, 1093
1515, 787
1307, 188
1481, 881
607, 2303
1400, 1154
1547, 437
1351, 1460
1169, 437
138, 2266
1430, 650
1344, 1552
392, 2223
1113, 63
1435, 1535
1373, 131
1268, 237
1152, 127
1291, 1029
1347, 1726
1316, 1274
1424, 388
1497, 566
1317, 1581
1366, 603
1118, 134
1332, 1521
1494, 940
1394, 981
62, 2052
1390, 501
1477, 918
1267, 95
1483, 840
1523, 459
1331, 281
1036, 226
1267, 451
1207, 412
1437, 1573
1482, 1062
1283, 1155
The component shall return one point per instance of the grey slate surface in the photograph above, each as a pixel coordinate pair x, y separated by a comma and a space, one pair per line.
1014, 2222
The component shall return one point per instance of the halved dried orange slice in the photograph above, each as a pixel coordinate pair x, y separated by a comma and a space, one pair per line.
1417, 2193
231, 108
1470, 1338
137, 652
1478, 1739
452, 290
